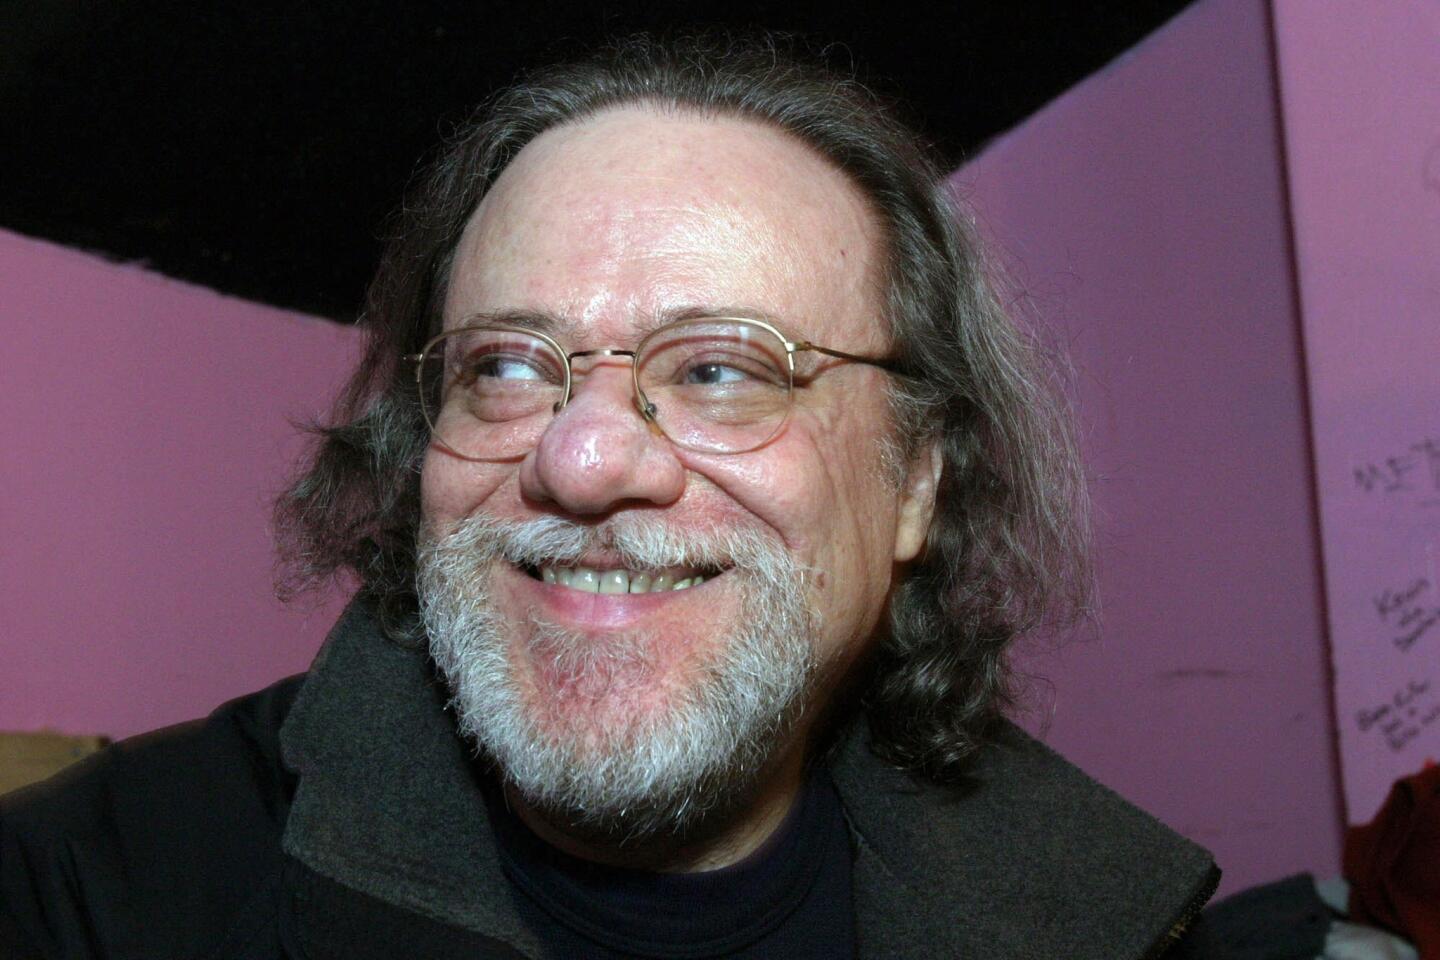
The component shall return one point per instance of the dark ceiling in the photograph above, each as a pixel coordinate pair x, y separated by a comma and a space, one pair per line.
256, 147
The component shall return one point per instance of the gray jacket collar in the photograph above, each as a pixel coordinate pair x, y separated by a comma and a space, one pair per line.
1030, 859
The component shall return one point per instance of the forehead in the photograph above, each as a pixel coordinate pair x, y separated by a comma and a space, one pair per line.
635, 214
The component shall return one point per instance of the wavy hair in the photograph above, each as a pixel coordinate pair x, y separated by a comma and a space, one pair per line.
1006, 551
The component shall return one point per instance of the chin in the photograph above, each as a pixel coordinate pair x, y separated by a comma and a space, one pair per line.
602, 693
628, 733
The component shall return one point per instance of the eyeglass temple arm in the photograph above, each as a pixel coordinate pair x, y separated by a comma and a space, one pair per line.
884, 363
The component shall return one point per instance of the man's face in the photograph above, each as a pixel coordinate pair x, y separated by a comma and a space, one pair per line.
606, 226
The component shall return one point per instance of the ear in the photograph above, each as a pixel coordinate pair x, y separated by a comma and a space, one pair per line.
917, 502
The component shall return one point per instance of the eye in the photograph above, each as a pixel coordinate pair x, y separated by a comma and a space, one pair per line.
714, 374
499, 366
728, 368
503, 367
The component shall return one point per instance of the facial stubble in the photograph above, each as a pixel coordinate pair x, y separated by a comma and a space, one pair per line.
611, 743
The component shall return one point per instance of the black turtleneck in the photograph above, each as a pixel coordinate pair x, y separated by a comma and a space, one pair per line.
790, 898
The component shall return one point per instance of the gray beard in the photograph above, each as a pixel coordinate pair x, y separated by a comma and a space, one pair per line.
626, 776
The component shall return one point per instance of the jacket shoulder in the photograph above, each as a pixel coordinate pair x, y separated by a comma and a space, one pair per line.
157, 844
1027, 857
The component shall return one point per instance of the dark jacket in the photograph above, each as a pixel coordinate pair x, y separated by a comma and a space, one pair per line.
339, 815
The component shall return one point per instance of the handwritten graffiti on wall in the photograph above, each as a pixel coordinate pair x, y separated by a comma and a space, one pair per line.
1414, 471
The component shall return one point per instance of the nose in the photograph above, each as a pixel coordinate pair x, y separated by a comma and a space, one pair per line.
599, 454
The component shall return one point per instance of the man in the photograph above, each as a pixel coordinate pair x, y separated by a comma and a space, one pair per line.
692, 450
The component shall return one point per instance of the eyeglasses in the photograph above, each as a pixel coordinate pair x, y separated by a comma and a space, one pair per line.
709, 384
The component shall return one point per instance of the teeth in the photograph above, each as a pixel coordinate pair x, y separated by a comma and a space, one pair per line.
590, 580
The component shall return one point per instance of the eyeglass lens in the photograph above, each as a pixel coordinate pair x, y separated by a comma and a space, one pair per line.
714, 385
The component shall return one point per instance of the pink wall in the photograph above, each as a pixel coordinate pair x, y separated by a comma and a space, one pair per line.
1144, 214
1361, 94
144, 431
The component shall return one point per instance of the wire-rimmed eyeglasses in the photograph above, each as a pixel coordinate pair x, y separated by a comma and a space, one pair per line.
710, 384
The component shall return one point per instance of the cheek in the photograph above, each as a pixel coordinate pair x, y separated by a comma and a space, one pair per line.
819, 487
452, 489
854, 510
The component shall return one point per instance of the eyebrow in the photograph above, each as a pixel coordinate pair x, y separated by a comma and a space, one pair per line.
711, 310
567, 331
552, 324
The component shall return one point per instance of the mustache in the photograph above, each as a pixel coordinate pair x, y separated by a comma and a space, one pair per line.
640, 543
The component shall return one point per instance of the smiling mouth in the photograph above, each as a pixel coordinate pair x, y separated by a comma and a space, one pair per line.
592, 580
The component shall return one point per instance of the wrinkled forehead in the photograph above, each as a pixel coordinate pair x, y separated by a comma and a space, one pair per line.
634, 214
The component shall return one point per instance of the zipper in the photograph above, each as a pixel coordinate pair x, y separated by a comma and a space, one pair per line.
1187, 916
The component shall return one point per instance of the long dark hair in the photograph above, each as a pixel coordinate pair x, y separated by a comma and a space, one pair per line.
1007, 547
